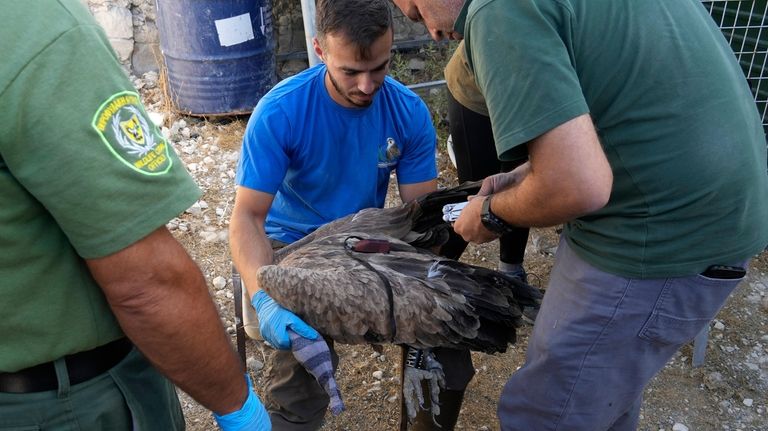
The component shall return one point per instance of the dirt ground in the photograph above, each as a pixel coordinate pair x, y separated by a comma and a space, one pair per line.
729, 392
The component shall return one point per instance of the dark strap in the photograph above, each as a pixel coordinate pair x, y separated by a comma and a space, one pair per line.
81, 367
387, 286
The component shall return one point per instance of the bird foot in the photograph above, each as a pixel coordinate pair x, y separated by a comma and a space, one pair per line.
421, 366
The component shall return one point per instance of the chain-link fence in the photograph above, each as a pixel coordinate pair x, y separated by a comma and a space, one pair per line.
745, 26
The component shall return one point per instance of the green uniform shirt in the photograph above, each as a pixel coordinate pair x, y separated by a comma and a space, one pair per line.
672, 110
83, 174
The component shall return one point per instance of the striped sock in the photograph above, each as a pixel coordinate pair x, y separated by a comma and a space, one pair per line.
315, 356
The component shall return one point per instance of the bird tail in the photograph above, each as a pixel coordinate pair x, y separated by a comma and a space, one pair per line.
497, 299
526, 296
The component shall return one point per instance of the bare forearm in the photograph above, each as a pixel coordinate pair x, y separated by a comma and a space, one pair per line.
568, 176
250, 247
187, 343
165, 309
532, 204
410, 192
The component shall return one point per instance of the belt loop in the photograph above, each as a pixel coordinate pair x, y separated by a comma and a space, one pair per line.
62, 377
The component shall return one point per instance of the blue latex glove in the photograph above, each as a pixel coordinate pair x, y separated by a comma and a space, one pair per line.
274, 321
252, 416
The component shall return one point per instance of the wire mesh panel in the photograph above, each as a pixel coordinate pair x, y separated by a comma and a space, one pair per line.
745, 26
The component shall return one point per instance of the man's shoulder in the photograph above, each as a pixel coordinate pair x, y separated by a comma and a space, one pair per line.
398, 96
297, 85
398, 88
40, 24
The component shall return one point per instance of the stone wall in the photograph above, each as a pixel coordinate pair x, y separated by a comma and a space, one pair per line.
132, 30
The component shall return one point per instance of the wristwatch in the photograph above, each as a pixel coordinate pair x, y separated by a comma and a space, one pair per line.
491, 221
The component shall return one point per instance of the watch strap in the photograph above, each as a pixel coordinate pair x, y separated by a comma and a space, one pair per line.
491, 221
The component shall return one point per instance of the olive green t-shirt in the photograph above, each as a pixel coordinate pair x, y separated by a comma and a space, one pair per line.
83, 174
672, 110
461, 82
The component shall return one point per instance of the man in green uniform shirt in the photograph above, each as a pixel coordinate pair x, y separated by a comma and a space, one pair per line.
645, 141
88, 268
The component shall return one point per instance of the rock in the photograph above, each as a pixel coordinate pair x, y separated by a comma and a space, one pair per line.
747, 402
209, 236
719, 325
195, 209
144, 57
117, 22
123, 48
157, 117
219, 282
254, 364
416, 64
378, 374
679, 427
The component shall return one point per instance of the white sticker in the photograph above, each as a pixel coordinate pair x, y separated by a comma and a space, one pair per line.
237, 29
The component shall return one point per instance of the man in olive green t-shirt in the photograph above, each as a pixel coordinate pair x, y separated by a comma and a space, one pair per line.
645, 141
87, 267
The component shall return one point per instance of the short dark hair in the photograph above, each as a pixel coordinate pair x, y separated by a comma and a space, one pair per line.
360, 21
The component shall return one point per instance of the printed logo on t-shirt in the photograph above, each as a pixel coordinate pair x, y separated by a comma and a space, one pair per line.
389, 155
124, 128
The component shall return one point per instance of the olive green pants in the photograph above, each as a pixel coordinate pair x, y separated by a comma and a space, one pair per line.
132, 395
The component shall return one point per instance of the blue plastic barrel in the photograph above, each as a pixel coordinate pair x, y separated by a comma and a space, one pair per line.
219, 54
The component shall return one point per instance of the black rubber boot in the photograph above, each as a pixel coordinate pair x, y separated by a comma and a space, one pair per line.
450, 405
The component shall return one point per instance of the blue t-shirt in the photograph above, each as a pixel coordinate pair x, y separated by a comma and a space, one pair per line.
323, 161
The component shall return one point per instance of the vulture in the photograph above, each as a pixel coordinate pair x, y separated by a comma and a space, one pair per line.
375, 277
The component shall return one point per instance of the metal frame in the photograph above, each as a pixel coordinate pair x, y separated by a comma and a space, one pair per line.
745, 26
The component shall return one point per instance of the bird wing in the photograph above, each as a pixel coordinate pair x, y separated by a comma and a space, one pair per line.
435, 302
333, 293
419, 222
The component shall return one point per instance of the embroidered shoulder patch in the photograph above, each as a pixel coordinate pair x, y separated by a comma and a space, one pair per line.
125, 129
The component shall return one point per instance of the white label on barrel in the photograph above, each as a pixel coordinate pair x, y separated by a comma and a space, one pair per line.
237, 29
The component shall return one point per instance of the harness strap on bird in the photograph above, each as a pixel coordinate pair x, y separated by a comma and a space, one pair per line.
371, 244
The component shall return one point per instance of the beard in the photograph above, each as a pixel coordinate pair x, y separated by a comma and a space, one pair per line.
348, 95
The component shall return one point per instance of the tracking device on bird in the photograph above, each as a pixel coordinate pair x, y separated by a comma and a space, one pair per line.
491, 221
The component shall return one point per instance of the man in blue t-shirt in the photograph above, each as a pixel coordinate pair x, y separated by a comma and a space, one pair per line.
319, 146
